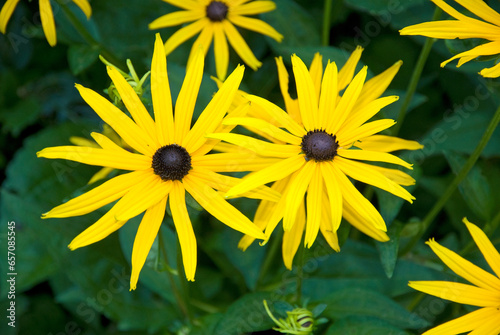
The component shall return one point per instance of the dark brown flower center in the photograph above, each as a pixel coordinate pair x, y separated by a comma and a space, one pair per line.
319, 145
217, 11
171, 162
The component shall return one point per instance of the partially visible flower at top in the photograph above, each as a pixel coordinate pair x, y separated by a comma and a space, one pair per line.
46, 16
465, 27
325, 137
132, 78
113, 136
172, 159
484, 291
215, 19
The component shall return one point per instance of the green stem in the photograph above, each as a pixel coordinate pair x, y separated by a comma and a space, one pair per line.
300, 271
180, 302
415, 77
456, 181
183, 280
270, 255
325, 36
89, 39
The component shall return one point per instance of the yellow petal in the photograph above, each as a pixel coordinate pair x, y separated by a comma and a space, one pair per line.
481, 9
395, 175
314, 206
85, 7
328, 97
449, 29
356, 119
306, 93
334, 196
325, 226
83, 142
347, 71
104, 142
484, 244
486, 49
232, 162
212, 115
465, 269
254, 7
256, 25
296, 192
240, 46
146, 234
96, 198
121, 123
203, 41
183, 34
176, 18
184, 229
292, 238
99, 157
221, 51
101, 174
6, 13
265, 127
364, 225
290, 104
216, 205
373, 156
346, 139
385, 143
185, 4
48, 24
316, 72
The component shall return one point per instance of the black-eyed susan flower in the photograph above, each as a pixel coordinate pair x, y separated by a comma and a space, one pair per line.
46, 16
215, 20
465, 27
171, 159
320, 143
484, 291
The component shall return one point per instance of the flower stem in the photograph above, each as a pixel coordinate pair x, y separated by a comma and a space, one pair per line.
184, 284
300, 271
325, 36
415, 77
456, 181
88, 37
270, 256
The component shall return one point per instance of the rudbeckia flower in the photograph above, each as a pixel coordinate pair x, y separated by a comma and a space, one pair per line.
46, 16
171, 160
320, 142
216, 19
484, 291
465, 27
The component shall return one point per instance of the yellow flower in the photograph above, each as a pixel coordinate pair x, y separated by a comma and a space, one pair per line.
465, 27
325, 138
46, 16
171, 159
484, 291
215, 19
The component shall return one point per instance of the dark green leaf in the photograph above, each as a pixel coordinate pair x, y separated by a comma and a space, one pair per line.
357, 325
81, 56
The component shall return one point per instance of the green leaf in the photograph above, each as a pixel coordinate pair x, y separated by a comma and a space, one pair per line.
378, 6
389, 250
357, 325
474, 188
81, 56
22, 115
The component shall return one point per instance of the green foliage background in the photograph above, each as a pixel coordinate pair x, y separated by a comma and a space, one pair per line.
364, 286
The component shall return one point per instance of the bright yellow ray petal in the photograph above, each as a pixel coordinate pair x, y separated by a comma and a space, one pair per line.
357, 201
274, 172
374, 156
85, 7
263, 148
212, 115
334, 196
83, 142
364, 174
465, 323
481, 9
278, 115
347, 102
48, 24
368, 129
376, 86
326, 228
347, 72
362, 224
216, 205
161, 95
314, 201
96, 198
328, 97
185, 4
232, 162
221, 51
356, 119
487, 49
240, 46
290, 104
458, 292
186, 100
101, 174
134, 105
265, 127
484, 244
99, 157
316, 72
465, 269
183, 34
6, 13
292, 238
450, 10
184, 228
490, 326
254, 7
492, 72
176, 18
142, 196
104, 142
121, 123
385, 143
449, 29
306, 93
203, 41
146, 234
395, 175
296, 192
256, 25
